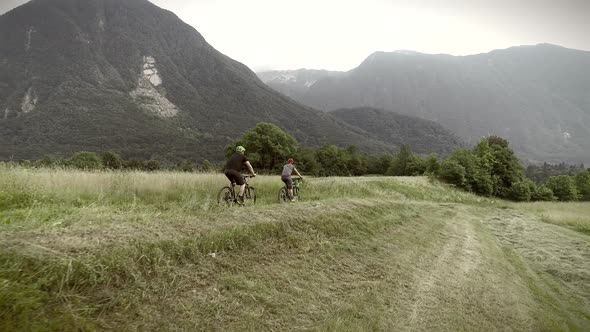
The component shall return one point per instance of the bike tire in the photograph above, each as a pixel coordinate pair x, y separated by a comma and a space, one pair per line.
283, 195
225, 197
249, 196
297, 193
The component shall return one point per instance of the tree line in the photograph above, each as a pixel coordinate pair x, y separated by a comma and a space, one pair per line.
489, 169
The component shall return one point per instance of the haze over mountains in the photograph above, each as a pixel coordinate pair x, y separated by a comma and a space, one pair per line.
536, 96
130, 77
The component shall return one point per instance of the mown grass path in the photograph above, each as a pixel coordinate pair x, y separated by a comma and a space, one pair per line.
358, 254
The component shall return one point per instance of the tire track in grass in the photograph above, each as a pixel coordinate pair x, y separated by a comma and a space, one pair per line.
465, 284
556, 262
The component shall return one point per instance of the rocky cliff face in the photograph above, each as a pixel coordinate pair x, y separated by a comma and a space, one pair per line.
130, 77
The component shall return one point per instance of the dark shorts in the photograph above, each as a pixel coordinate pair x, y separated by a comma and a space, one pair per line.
288, 181
234, 176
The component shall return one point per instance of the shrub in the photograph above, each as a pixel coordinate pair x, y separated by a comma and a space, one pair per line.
111, 160
521, 191
400, 166
453, 173
583, 185
432, 164
563, 187
134, 164
542, 193
86, 161
152, 165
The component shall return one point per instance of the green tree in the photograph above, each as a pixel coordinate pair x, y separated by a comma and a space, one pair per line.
563, 187
506, 168
521, 191
185, 166
356, 163
134, 164
477, 177
583, 185
400, 165
332, 161
306, 162
152, 165
432, 164
267, 146
85, 160
542, 193
111, 160
453, 173
379, 164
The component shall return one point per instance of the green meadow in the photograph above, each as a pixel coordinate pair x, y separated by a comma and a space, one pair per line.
85, 251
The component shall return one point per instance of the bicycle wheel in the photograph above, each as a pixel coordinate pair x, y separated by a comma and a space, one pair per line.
225, 197
249, 196
296, 193
283, 195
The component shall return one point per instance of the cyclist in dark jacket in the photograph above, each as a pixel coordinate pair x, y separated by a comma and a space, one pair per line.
288, 169
233, 169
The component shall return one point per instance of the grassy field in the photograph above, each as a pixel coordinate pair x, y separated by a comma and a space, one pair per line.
139, 251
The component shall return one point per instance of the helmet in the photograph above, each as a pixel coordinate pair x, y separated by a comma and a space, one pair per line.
240, 148
291, 161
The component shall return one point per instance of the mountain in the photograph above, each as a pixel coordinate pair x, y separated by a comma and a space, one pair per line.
422, 136
131, 77
295, 83
536, 96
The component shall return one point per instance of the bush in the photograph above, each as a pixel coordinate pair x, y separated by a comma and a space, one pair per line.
152, 165
400, 166
111, 160
563, 187
453, 173
134, 164
185, 166
49, 161
380, 164
86, 161
521, 191
432, 164
307, 163
542, 193
583, 185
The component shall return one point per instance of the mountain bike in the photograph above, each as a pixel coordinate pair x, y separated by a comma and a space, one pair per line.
227, 195
284, 192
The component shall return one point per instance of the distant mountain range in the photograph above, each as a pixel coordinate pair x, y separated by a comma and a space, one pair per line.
536, 96
422, 135
130, 77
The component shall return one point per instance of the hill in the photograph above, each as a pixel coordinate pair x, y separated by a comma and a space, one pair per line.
130, 77
422, 136
138, 251
536, 96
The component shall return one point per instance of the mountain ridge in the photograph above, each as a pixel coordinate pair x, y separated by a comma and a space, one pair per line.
536, 96
133, 78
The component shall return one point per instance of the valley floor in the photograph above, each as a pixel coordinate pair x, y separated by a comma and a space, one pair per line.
355, 254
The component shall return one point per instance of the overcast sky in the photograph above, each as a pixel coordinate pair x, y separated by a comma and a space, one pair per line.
339, 34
